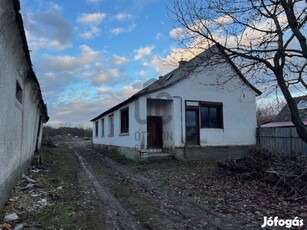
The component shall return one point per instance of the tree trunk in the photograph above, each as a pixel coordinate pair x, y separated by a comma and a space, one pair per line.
295, 117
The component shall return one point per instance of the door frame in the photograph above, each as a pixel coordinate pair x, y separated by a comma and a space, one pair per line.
159, 138
197, 141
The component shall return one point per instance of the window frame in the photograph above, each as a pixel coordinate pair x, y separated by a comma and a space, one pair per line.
96, 128
102, 127
124, 121
111, 125
219, 115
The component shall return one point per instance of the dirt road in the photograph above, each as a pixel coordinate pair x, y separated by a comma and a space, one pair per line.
130, 198
78, 187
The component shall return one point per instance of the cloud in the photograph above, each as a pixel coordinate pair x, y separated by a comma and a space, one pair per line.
93, 32
91, 18
117, 30
99, 78
120, 30
176, 33
143, 73
159, 36
123, 16
162, 66
78, 112
48, 29
91, 24
143, 52
70, 63
119, 60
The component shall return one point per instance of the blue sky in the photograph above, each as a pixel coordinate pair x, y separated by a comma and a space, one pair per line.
91, 54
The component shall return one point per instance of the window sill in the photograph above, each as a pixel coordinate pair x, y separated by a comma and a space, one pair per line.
213, 129
111, 135
124, 134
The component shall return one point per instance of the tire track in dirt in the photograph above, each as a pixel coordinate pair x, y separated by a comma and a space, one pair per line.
172, 210
114, 214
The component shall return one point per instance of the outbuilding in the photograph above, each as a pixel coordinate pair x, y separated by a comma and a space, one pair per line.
23, 110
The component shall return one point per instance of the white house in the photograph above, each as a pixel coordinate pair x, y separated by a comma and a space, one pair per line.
205, 102
23, 111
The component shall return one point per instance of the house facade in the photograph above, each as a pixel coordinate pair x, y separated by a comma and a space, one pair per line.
193, 108
23, 111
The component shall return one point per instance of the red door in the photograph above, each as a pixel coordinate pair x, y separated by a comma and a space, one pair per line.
154, 132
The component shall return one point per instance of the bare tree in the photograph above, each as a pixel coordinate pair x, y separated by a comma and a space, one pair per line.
267, 112
265, 38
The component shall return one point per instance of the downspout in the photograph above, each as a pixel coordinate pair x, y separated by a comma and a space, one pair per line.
181, 120
181, 117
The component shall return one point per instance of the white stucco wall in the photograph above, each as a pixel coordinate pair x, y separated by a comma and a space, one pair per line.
18, 121
239, 107
219, 83
134, 138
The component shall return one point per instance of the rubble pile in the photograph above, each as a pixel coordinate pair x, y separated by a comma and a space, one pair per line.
286, 172
27, 196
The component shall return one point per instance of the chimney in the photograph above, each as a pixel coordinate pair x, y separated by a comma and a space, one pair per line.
181, 63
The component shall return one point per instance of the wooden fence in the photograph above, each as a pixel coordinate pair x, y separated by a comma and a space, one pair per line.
281, 139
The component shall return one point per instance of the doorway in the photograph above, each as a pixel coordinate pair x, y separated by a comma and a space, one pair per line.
154, 132
192, 126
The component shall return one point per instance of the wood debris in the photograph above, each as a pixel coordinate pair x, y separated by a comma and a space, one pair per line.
286, 172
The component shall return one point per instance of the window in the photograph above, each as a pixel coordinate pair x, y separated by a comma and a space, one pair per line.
124, 120
18, 92
102, 127
212, 115
111, 125
96, 128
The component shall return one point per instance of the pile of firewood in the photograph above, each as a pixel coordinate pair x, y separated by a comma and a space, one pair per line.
286, 172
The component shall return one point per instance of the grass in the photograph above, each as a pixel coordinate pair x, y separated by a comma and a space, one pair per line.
58, 182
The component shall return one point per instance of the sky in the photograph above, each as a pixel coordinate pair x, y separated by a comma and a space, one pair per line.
89, 55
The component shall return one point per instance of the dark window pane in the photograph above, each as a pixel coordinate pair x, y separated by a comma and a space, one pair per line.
211, 116
204, 117
96, 128
124, 121
212, 119
18, 92
192, 127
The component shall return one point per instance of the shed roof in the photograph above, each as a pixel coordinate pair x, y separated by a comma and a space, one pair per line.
178, 74
280, 124
285, 114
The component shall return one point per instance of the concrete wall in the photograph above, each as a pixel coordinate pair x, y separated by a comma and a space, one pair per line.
210, 153
19, 119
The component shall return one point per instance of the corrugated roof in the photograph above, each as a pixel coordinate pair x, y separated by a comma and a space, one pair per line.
180, 73
280, 124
